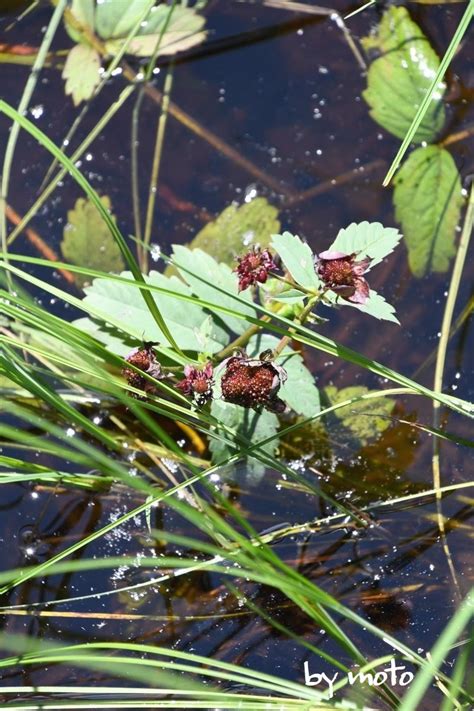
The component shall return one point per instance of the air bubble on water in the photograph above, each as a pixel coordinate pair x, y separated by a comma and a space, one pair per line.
323, 70
89, 156
215, 477
37, 111
155, 252
250, 192
70, 432
171, 464
156, 70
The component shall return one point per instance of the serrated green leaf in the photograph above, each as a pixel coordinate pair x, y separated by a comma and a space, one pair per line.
298, 259
252, 427
202, 264
299, 391
375, 306
366, 419
398, 80
369, 239
184, 29
88, 242
428, 200
129, 313
81, 72
236, 229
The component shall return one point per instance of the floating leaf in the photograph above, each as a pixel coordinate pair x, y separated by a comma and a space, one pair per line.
87, 240
236, 229
297, 258
116, 19
251, 426
428, 202
366, 419
183, 29
369, 239
220, 275
398, 81
81, 72
125, 315
299, 391
84, 13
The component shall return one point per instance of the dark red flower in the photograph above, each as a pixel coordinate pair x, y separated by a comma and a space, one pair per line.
145, 360
342, 274
253, 382
253, 267
197, 383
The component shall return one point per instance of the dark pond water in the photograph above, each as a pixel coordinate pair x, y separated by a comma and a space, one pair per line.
284, 91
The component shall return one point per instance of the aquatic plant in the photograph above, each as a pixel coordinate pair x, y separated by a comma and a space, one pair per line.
176, 379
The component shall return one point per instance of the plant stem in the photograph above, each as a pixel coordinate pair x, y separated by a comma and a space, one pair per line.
440, 363
22, 108
285, 340
160, 135
241, 341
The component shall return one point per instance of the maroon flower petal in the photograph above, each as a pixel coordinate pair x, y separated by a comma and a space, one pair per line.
361, 293
197, 383
342, 274
254, 267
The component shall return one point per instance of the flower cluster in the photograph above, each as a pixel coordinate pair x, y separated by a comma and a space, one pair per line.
253, 382
145, 360
342, 274
254, 267
197, 383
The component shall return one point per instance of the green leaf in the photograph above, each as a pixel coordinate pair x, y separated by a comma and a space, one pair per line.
84, 12
375, 306
202, 264
370, 239
252, 426
129, 314
115, 18
299, 391
184, 29
88, 242
291, 296
365, 419
297, 258
81, 72
236, 229
428, 200
399, 79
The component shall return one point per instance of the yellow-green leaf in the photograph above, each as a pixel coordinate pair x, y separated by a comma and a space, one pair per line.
428, 201
238, 228
398, 80
184, 29
87, 241
366, 418
81, 72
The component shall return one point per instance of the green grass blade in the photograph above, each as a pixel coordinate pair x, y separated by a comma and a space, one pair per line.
91, 193
445, 62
